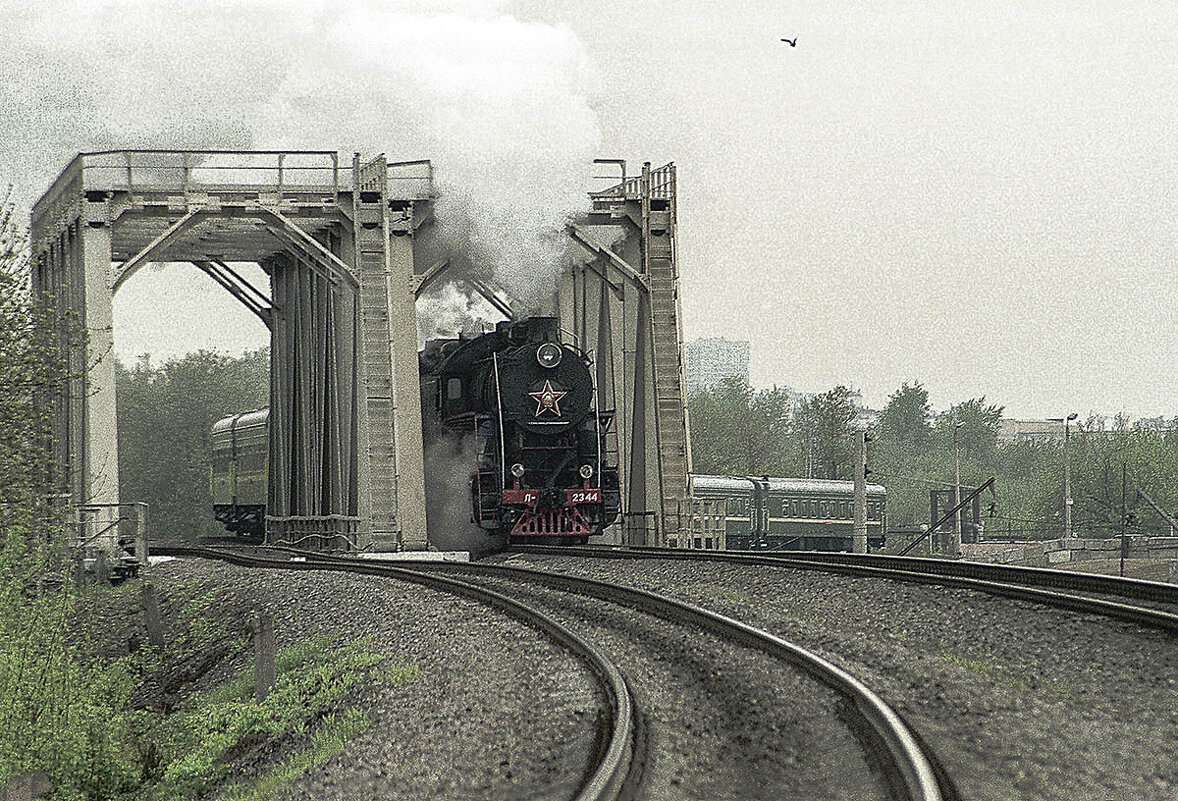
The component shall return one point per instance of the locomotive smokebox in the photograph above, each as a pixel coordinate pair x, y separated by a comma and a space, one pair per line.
540, 467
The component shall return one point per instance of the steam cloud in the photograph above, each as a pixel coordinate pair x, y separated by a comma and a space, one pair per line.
499, 103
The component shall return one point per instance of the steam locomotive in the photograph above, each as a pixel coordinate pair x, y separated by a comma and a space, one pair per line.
542, 470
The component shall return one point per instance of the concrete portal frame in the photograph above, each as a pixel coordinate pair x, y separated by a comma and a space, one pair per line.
338, 245
621, 302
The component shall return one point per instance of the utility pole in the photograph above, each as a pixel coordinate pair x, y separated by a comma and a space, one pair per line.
1067, 476
1124, 510
859, 523
956, 493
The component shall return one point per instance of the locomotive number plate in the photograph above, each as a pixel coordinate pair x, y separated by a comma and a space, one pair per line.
584, 495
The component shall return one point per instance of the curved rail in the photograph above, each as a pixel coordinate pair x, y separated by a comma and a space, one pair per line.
609, 777
908, 765
1003, 580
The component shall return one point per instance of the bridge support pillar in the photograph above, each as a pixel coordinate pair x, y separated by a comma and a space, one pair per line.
626, 309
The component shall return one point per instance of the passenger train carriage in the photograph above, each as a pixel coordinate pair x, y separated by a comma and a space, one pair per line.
803, 514
238, 471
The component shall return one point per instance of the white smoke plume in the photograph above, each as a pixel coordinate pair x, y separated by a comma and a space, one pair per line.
449, 461
501, 104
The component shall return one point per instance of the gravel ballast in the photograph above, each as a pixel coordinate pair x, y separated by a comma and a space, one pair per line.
497, 710
722, 721
1018, 700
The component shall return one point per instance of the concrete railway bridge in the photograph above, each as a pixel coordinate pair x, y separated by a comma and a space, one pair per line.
342, 246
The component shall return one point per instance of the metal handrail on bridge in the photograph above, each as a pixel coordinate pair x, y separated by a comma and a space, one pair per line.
281, 172
662, 185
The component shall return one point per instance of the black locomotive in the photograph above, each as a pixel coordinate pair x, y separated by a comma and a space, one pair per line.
542, 468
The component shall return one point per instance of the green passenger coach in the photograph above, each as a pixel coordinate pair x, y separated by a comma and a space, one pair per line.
794, 514
237, 474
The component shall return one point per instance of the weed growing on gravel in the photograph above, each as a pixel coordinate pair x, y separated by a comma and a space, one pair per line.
198, 742
1004, 676
979, 666
328, 740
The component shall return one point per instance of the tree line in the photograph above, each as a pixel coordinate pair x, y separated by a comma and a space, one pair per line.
736, 430
165, 416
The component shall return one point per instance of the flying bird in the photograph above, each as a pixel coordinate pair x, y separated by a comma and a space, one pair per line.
792, 42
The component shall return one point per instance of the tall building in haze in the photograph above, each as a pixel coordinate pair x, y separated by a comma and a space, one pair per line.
707, 362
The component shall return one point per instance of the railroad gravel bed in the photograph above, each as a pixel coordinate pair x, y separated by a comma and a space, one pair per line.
470, 726
1019, 701
722, 721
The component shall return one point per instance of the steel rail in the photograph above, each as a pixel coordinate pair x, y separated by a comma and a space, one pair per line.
907, 764
1004, 580
611, 775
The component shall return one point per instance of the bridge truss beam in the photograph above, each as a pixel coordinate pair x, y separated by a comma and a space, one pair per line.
314, 228
622, 303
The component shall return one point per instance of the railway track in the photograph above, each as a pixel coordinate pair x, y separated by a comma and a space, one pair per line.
890, 747
1077, 592
615, 767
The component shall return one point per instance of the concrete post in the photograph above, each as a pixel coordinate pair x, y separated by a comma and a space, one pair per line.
151, 615
859, 524
264, 653
79, 569
955, 548
141, 552
102, 569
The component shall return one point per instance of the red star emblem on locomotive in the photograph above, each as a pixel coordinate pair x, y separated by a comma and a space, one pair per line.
547, 399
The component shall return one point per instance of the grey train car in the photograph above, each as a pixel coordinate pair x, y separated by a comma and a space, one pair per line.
791, 514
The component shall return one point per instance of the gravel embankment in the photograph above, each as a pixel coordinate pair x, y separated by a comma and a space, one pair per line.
497, 712
1018, 700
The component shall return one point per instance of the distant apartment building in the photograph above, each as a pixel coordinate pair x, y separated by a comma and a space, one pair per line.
707, 362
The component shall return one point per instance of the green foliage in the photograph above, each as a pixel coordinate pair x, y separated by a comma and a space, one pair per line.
31, 382
197, 743
327, 741
738, 431
165, 416
903, 430
735, 431
57, 713
978, 436
826, 419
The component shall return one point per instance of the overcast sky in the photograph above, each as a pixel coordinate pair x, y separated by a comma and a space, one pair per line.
978, 196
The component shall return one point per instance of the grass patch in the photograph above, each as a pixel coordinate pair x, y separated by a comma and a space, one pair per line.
197, 743
241, 687
328, 740
979, 666
1014, 681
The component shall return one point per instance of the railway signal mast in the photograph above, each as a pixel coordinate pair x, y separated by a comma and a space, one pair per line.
859, 523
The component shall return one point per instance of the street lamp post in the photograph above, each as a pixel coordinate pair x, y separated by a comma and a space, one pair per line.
956, 492
1067, 475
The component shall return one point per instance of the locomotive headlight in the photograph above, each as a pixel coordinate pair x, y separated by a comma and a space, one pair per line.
517, 470
586, 471
549, 354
